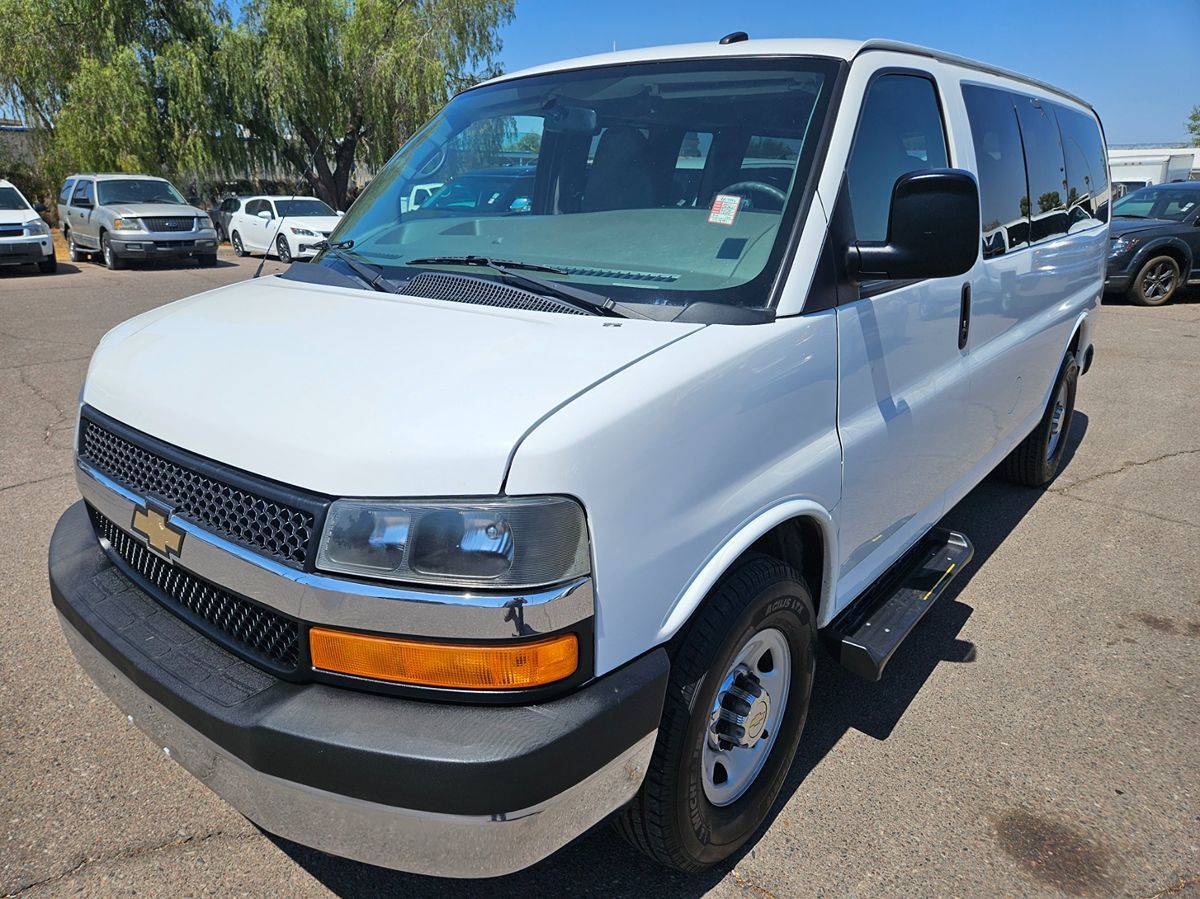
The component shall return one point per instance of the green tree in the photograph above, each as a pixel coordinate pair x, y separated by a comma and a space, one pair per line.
185, 88
1193, 126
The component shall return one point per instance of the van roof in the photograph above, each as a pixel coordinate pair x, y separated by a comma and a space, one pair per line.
115, 176
836, 48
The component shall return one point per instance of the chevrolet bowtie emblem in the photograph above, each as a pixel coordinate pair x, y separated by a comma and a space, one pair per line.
161, 536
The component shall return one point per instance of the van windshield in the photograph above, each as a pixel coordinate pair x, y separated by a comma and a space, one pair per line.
665, 183
137, 190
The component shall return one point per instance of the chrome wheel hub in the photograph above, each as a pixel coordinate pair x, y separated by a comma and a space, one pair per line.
1056, 420
745, 716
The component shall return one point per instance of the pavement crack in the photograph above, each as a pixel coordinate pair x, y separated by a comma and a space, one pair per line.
136, 852
61, 414
1178, 887
747, 884
1124, 467
1062, 494
53, 477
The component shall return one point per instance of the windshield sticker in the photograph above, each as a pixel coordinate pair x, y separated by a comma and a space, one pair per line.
724, 209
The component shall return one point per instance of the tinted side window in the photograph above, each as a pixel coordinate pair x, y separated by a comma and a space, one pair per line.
1087, 169
65, 194
1003, 192
899, 131
83, 191
254, 207
1045, 168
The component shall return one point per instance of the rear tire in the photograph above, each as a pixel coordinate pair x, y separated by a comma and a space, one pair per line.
1037, 458
692, 811
239, 248
73, 252
1156, 282
48, 266
112, 261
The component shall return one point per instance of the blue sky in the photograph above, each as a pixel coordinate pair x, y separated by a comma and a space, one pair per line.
1142, 86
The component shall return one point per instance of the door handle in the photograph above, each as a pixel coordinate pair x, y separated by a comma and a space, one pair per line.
964, 316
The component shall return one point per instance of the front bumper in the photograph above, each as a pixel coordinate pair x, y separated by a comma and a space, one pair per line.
451, 790
163, 245
25, 250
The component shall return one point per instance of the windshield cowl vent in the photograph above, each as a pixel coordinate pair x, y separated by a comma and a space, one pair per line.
483, 292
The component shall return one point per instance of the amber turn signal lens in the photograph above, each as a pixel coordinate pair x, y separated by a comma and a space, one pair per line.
453, 665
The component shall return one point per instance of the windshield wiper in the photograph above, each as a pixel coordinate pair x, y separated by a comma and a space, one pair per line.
587, 300
372, 274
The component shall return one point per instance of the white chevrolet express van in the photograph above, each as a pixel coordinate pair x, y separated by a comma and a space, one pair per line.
508, 515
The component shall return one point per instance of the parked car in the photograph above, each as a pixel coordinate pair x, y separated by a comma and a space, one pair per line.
24, 236
124, 217
287, 227
1155, 245
483, 527
223, 212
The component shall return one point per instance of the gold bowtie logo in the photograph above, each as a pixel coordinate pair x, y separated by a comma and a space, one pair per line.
161, 536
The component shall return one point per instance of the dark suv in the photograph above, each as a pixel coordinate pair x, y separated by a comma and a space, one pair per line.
1155, 244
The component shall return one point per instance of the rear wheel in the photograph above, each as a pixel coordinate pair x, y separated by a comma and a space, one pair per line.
1156, 282
238, 248
73, 252
1037, 458
741, 680
111, 260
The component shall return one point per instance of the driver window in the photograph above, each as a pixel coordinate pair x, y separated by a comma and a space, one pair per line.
899, 131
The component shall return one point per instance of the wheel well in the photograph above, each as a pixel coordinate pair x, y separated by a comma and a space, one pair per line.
799, 543
1073, 347
1174, 252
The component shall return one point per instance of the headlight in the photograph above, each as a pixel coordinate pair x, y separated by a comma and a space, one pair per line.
1119, 245
35, 228
203, 223
518, 543
130, 223
303, 232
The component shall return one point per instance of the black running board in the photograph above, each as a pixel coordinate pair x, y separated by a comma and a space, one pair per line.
864, 636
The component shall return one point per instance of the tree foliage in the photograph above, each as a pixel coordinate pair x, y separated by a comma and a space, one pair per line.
1193, 126
187, 88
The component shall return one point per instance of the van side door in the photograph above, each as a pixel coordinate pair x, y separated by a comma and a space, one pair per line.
903, 378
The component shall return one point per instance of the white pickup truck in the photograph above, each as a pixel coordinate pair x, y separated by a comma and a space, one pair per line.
491, 523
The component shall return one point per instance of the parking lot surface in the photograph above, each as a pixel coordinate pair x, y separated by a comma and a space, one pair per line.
1038, 735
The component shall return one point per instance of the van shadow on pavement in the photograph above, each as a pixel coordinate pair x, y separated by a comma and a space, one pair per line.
601, 864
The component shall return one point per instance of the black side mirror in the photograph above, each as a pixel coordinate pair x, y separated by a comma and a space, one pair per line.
39, 208
933, 229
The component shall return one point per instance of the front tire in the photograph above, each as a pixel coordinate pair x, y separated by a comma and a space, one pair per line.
284, 251
723, 751
206, 260
1156, 282
1037, 458
112, 261
48, 266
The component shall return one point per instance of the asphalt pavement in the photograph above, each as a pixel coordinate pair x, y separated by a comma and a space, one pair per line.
1039, 735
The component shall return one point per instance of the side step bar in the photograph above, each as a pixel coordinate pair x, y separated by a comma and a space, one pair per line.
866, 634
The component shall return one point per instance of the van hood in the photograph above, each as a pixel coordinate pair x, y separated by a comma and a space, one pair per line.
166, 209
355, 393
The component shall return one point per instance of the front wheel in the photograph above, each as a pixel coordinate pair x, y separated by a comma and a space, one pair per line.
741, 681
285, 251
1156, 282
48, 266
112, 261
1037, 458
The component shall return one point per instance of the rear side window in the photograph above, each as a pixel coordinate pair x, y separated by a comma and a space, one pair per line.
64, 195
1087, 170
1044, 168
900, 131
1003, 194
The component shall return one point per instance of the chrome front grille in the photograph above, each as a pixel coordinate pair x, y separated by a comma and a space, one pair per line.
244, 626
169, 223
238, 512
